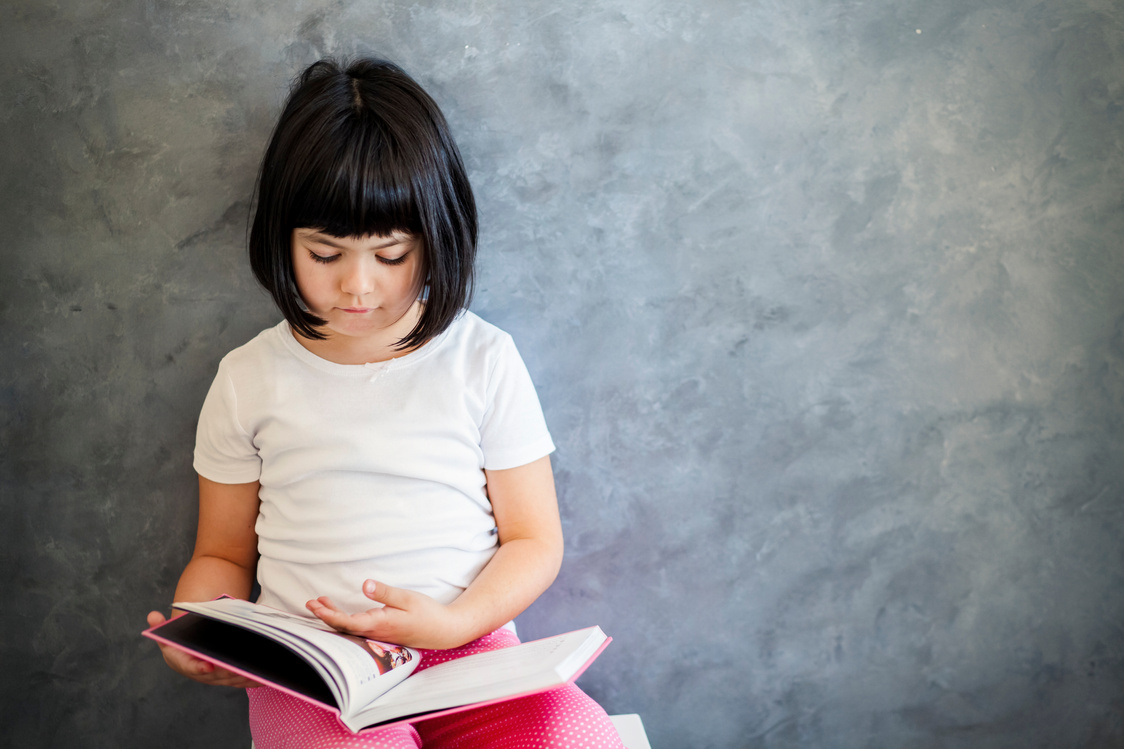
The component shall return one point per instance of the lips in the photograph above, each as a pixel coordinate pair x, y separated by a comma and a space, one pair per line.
355, 310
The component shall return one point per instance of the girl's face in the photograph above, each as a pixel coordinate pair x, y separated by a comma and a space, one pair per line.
365, 288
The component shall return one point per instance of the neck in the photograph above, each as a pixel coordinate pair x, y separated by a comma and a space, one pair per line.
376, 347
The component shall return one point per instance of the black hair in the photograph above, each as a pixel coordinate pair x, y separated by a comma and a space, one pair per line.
363, 150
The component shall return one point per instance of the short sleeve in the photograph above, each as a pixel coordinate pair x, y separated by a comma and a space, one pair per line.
514, 430
224, 451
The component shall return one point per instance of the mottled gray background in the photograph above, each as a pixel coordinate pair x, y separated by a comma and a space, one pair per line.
823, 299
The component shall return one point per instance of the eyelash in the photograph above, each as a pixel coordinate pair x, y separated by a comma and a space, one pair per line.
331, 258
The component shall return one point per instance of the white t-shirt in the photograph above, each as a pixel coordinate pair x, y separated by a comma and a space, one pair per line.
375, 470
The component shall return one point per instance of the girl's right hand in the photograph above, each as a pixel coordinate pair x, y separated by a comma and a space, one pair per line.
196, 668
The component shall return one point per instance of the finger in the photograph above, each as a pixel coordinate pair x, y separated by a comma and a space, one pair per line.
220, 677
201, 667
225, 678
155, 619
387, 595
209, 673
323, 603
189, 664
329, 614
322, 607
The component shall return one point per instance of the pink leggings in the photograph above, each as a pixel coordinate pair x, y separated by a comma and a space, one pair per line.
562, 717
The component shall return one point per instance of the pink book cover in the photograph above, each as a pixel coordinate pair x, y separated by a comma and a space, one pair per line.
272, 664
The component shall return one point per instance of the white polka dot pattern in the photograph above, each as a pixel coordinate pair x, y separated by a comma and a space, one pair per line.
563, 718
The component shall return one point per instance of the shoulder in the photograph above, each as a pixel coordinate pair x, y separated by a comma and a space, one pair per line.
471, 334
475, 352
260, 351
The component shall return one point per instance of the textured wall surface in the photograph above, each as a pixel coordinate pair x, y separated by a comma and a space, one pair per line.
823, 298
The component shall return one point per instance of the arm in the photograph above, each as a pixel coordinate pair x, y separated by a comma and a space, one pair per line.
530, 534
226, 553
530, 554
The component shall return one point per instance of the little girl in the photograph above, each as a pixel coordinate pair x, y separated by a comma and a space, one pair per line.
380, 457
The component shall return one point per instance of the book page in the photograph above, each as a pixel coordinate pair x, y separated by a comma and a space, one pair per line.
488, 676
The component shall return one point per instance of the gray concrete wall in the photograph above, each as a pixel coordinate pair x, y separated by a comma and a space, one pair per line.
823, 299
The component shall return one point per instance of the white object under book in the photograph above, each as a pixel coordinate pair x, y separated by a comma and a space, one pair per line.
631, 730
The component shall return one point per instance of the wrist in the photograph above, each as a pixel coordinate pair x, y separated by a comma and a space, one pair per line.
465, 623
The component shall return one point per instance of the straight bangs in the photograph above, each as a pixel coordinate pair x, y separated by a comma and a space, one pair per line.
353, 185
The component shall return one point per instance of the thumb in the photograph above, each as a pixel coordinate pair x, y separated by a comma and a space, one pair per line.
385, 594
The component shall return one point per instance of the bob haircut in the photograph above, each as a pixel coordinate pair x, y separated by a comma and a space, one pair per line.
359, 151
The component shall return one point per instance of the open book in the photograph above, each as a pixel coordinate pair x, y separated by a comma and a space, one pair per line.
368, 683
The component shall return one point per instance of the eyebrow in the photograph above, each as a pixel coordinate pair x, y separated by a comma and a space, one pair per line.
326, 239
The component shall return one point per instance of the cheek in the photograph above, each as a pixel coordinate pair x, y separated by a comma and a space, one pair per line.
406, 284
310, 284
407, 290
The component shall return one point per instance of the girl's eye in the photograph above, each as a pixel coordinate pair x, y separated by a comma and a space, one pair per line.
322, 258
392, 260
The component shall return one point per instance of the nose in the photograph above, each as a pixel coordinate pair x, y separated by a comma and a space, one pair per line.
358, 278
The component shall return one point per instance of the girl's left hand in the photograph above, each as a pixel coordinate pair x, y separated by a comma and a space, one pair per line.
405, 618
